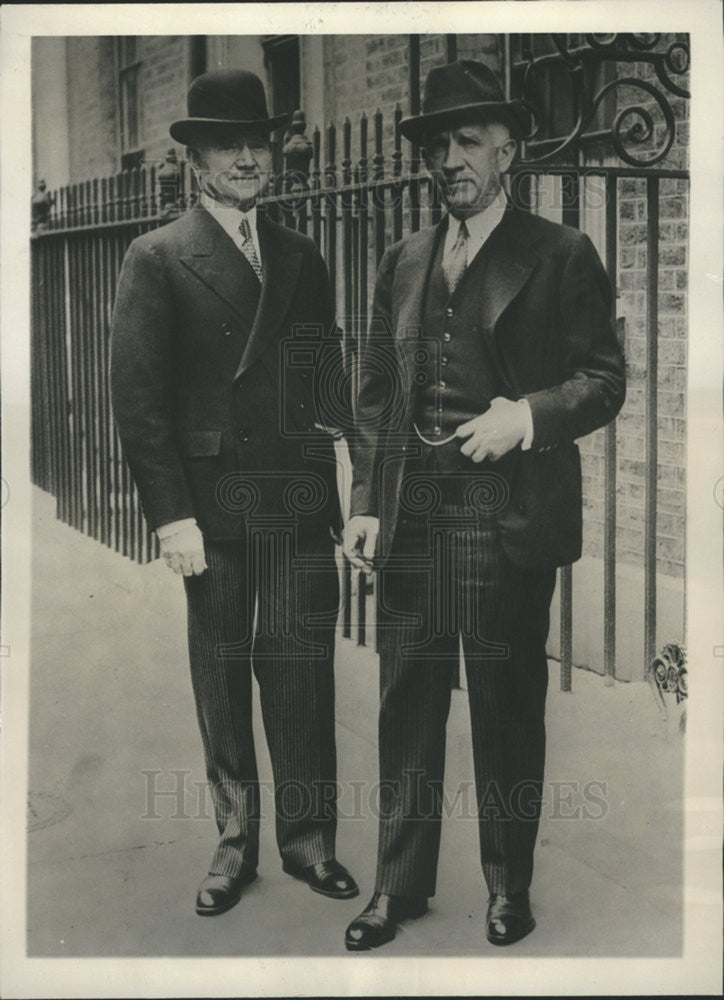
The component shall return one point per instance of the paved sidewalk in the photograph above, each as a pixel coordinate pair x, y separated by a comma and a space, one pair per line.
112, 714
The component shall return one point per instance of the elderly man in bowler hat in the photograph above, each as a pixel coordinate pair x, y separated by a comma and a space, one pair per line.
490, 351
226, 436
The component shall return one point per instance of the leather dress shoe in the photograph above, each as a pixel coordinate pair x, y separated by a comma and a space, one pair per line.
377, 923
509, 918
329, 878
218, 893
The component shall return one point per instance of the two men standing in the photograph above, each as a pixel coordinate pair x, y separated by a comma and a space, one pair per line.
490, 350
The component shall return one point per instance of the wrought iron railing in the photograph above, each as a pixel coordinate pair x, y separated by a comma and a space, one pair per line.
353, 208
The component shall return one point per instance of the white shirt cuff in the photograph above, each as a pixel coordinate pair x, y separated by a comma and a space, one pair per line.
527, 441
165, 531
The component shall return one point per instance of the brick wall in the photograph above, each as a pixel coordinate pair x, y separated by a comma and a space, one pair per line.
163, 83
365, 72
93, 100
92, 107
672, 347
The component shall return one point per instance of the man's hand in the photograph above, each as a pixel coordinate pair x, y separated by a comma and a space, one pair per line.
184, 551
360, 539
494, 432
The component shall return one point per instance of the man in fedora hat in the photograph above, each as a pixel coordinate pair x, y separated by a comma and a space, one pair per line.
489, 352
223, 347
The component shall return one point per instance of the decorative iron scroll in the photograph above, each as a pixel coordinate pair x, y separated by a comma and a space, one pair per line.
667, 674
633, 125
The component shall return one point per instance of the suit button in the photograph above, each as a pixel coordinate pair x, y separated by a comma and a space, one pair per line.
446, 337
301, 405
449, 311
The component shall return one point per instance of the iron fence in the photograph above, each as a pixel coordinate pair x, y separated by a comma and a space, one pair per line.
352, 209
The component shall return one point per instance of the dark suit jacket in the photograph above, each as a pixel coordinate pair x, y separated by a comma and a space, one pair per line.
207, 388
545, 312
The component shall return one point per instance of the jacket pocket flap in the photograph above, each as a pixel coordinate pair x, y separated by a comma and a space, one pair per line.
200, 444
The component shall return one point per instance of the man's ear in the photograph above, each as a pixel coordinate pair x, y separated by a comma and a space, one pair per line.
506, 154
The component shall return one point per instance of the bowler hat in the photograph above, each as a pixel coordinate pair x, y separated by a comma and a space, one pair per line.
222, 98
462, 90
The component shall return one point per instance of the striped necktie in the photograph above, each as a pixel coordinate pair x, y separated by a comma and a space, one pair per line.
248, 248
455, 260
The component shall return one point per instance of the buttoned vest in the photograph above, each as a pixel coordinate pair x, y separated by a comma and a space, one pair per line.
455, 378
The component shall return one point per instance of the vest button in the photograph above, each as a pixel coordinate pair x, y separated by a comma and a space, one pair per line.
436, 431
446, 337
442, 385
443, 360
449, 311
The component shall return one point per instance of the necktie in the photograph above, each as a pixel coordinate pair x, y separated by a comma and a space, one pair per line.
455, 260
248, 248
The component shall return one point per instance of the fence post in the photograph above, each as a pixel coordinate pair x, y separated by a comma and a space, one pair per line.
297, 153
40, 207
169, 177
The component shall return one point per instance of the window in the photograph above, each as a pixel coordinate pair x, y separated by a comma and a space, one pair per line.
130, 101
281, 58
553, 90
198, 56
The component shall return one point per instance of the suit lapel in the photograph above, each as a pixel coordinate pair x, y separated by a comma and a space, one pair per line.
281, 265
218, 263
510, 259
411, 277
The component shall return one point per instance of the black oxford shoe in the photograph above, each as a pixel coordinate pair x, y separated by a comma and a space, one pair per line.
218, 893
509, 918
329, 878
377, 923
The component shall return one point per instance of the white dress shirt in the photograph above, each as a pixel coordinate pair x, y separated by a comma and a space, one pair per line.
229, 219
479, 226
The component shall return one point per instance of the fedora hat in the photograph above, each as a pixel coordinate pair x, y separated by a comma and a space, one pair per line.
221, 99
462, 90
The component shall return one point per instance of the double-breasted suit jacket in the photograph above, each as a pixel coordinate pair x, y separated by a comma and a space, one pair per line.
213, 376
218, 384
544, 311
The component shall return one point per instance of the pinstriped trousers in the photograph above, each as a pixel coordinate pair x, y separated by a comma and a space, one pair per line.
268, 604
448, 579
